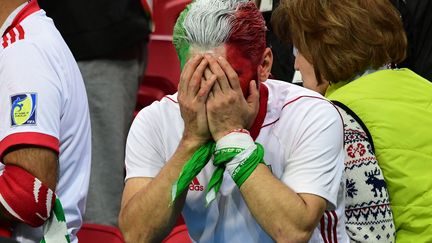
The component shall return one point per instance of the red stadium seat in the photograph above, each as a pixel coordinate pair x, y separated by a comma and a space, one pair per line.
91, 233
178, 235
163, 66
95, 233
153, 88
162, 58
165, 13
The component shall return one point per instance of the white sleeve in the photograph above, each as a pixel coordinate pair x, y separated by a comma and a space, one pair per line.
144, 154
30, 98
315, 156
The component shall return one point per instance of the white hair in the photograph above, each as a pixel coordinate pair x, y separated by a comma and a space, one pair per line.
208, 23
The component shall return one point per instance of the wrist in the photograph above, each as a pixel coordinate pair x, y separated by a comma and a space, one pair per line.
235, 139
191, 144
237, 154
240, 140
225, 133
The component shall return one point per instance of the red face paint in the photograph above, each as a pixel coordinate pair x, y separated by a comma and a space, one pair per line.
245, 69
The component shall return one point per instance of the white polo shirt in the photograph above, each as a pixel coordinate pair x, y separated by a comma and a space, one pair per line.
43, 102
302, 135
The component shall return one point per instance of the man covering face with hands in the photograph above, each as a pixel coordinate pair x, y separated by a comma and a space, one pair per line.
242, 157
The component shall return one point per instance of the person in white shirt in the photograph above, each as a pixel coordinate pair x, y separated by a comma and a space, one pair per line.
244, 158
44, 127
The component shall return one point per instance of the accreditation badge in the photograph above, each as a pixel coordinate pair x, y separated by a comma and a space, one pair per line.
23, 109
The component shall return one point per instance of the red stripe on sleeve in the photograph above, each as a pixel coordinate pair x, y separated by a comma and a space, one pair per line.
20, 32
13, 35
292, 101
323, 234
329, 226
29, 138
5, 41
335, 226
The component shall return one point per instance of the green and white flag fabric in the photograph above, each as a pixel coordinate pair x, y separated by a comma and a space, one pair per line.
192, 168
236, 152
55, 229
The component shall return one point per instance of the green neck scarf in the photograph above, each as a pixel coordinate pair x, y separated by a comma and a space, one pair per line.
246, 160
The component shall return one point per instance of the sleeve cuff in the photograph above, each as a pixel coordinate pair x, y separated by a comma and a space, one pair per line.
331, 198
29, 138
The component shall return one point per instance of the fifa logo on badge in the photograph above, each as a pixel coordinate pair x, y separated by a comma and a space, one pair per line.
23, 109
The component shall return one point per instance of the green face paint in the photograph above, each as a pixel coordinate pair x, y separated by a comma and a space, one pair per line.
180, 42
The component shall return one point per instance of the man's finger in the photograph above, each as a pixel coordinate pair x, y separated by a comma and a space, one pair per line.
206, 87
230, 73
207, 73
218, 71
188, 70
253, 98
195, 82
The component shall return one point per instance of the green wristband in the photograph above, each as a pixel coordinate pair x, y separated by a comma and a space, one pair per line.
246, 167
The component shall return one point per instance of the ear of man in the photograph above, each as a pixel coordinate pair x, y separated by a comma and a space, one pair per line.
264, 69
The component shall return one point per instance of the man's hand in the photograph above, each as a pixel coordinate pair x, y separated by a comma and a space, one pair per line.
227, 108
192, 96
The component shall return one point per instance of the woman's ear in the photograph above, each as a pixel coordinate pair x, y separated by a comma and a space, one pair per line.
264, 68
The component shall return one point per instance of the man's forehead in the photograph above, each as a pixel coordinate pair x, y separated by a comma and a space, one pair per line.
216, 51
229, 52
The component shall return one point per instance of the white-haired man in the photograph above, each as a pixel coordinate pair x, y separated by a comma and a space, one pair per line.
242, 157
